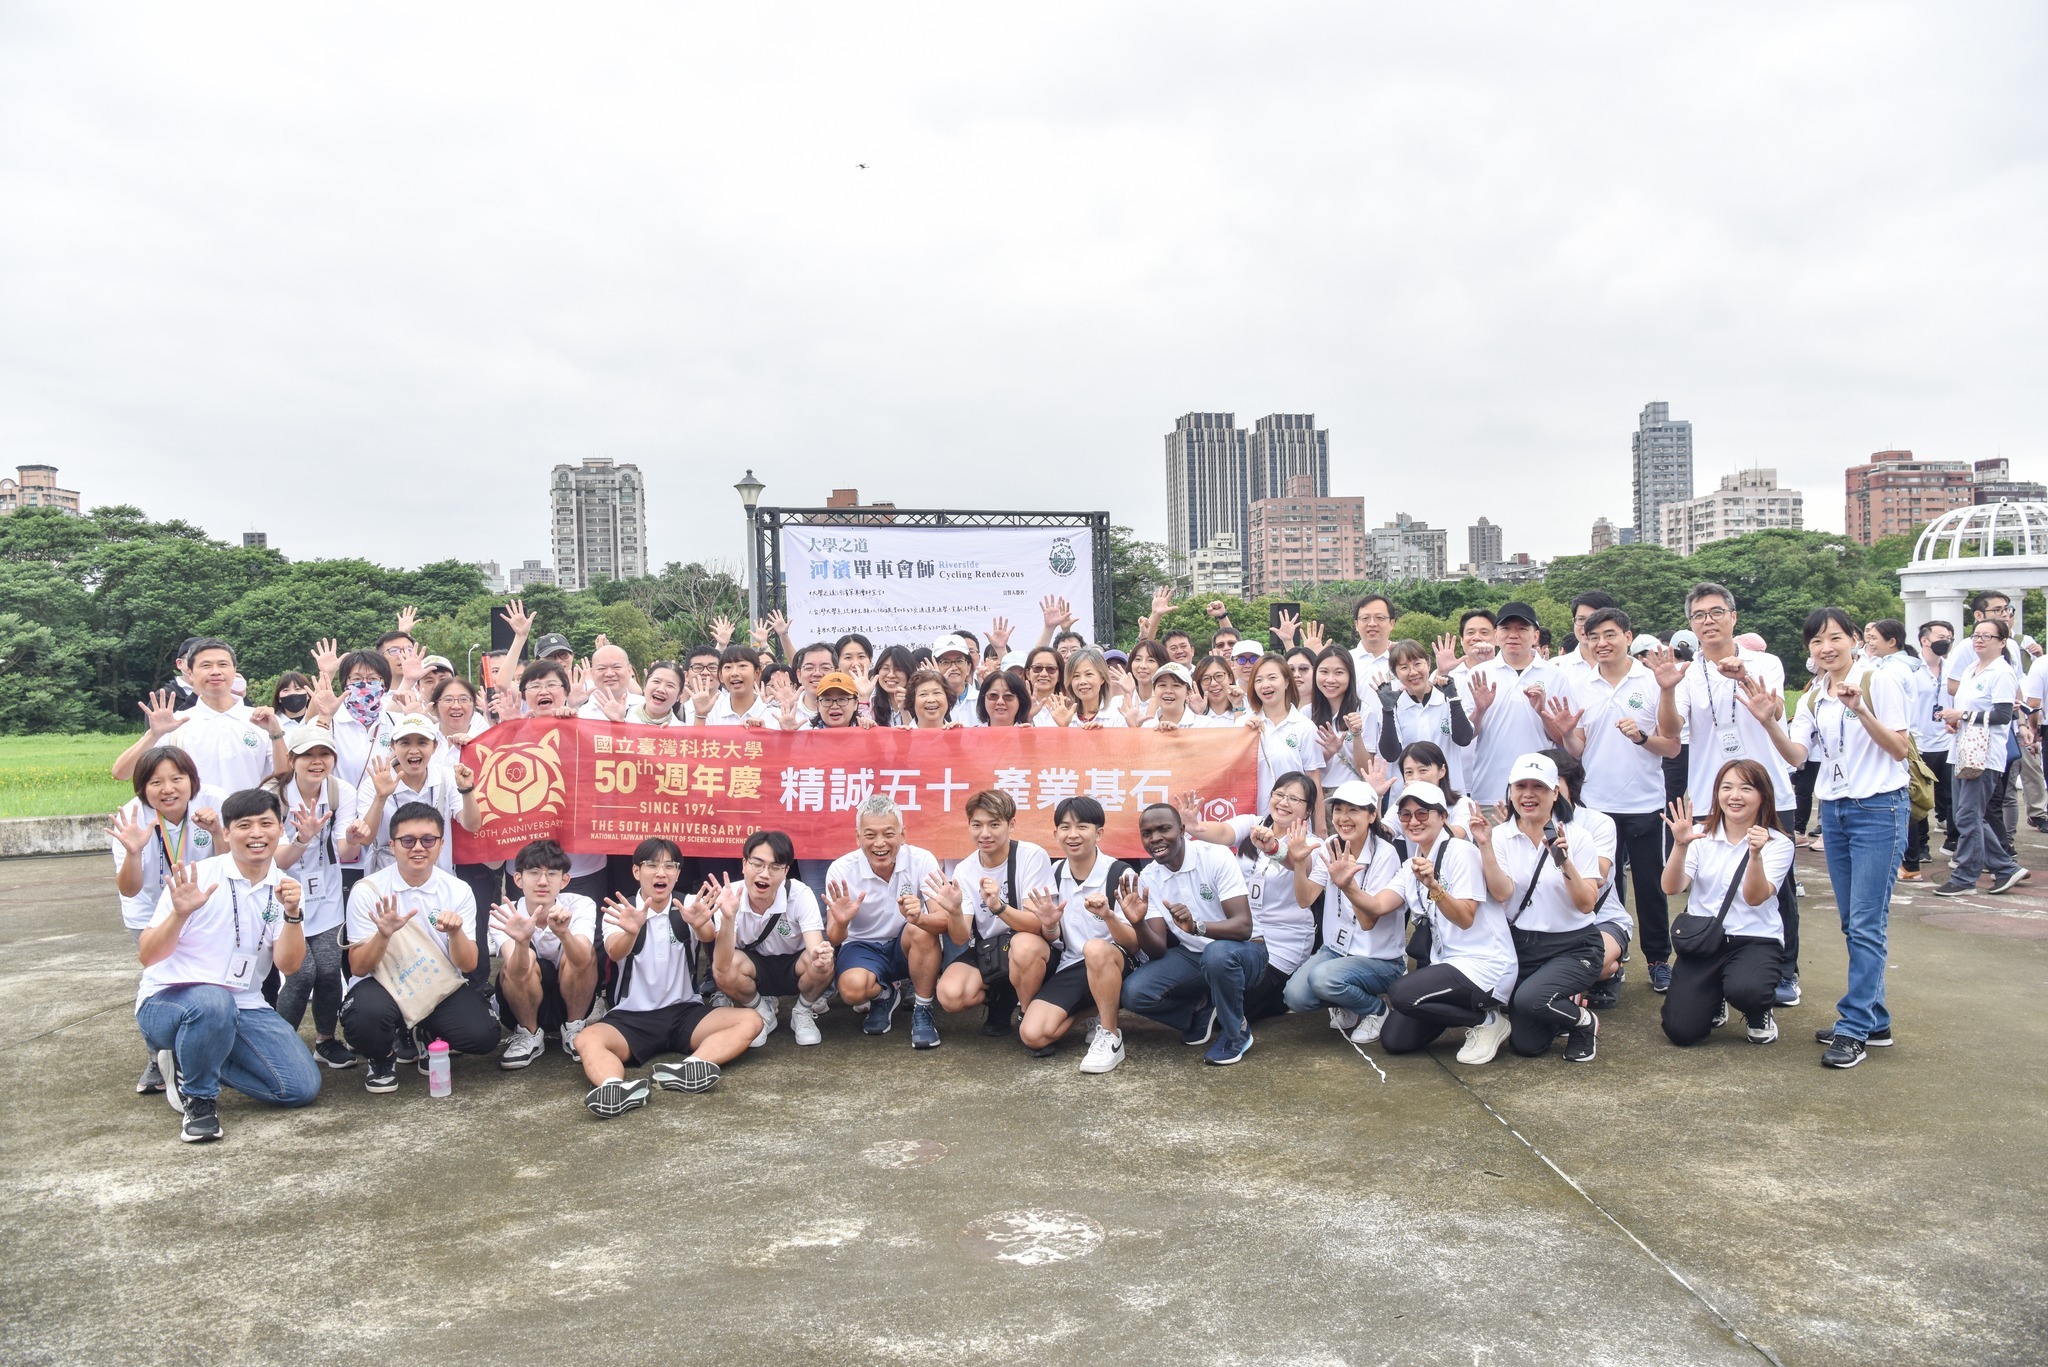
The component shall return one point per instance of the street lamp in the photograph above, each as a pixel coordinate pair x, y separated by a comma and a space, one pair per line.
750, 494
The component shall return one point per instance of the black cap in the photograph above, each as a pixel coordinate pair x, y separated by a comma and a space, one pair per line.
551, 644
185, 650
1514, 611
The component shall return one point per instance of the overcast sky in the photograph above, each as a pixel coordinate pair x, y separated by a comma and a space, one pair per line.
359, 277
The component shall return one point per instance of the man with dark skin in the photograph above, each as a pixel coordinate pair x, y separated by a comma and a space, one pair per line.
1194, 918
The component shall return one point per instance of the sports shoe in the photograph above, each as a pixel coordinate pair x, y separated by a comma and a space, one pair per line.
1226, 1051
2005, 882
1720, 1016
167, 1069
1788, 990
999, 1018
523, 1048
1842, 1052
202, 1120
334, 1054
718, 999
1204, 1028
693, 1074
1606, 994
409, 1047
765, 1007
616, 1097
1880, 1038
1044, 1050
924, 1026
803, 1022
1483, 1041
882, 1012
1368, 1028
1582, 1041
1763, 1028
152, 1080
570, 1030
1955, 889
1105, 1051
381, 1074
1660, 977
1343, 1019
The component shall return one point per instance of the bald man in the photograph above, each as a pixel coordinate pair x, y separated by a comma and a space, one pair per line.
611, 674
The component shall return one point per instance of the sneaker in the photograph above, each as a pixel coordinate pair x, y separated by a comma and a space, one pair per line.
1955, 889
2005, 882
1788, 990
202, 1120
803, 1022
410, 1048
1483, 1041
1044, 1050
1343, 1019
1227, 1051
1763, 1028
924, 1026
523, 1048
1720, 1016
1842, 1052
999, 1018
882, 1012
693, 1074
765, 1007
381, 1074
1105, 1051
1582, 1042
1880, 1038
1204, 1028
167, 1069
2039, 823
616, 1097
1606, 994
334, 1054
1368, 1028
570, 1030
1660, 977
152, 1080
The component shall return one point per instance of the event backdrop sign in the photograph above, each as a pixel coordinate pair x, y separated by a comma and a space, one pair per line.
914, 584
603, 787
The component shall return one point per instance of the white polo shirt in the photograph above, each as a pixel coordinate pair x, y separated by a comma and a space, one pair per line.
185, 841
548, 945
1711, 862
1722, 728
1287, 746
1341, 928
879, 917
1599, 828
1368, 669
590, 711
1034, 871
442, 891
724, 714
1550, 907
1511, 727
1483, 951
1278, 917
1981, 690
227, 942
1078, 925
794, 911
231, 752
1926, 696
1621, 776
660, 970
319, 867
438, 793
1852, 765
1207, 875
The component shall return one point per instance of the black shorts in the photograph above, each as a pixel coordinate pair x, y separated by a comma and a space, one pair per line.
553, 1012
665, 1030
774, 974
1616, 931
1067, 988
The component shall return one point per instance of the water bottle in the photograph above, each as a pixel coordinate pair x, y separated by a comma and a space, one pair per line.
439, 1083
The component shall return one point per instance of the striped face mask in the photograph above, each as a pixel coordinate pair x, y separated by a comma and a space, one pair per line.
364, 699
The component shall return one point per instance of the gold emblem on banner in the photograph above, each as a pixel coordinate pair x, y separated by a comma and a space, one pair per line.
522, 778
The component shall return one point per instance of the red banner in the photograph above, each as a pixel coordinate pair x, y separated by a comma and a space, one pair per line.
599, 787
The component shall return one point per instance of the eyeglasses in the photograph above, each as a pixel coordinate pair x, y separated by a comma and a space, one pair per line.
754, 865
416, 842
663, 866
1375, 619
1411, 815
1708, 615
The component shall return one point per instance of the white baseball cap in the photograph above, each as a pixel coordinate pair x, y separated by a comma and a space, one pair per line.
1174, 669
951, 645
1247, 650
1534, 768
413, 724
1428, 794
1357, 793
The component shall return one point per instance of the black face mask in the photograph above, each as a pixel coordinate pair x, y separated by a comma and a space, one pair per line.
1939, 648
291, 704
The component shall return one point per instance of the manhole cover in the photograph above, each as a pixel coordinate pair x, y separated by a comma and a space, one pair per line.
1031, 1238
904, 1153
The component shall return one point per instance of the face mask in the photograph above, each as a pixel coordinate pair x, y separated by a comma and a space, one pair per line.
291, 704
1940, 648
364, 699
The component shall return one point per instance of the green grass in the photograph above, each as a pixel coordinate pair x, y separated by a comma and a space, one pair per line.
61, 775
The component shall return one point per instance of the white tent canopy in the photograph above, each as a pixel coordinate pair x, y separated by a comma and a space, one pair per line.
2001, 547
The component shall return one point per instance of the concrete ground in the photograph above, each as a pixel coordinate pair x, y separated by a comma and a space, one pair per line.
1729, 1204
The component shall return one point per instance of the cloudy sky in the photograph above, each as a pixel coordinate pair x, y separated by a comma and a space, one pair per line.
360, 276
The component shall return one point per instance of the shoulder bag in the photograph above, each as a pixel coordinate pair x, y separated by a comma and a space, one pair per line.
1702, 937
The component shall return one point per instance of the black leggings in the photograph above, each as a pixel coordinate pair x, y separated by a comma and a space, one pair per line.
372, 1021
1427, 1002
1744, 974
1556, 967
318, 978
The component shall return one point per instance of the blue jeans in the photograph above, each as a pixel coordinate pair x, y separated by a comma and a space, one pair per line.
1980, 845
254, 1052
1865, 838
1351, 981
1171, 989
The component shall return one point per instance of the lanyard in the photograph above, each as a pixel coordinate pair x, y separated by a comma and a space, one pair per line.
262, 919
163, 843
1707, 672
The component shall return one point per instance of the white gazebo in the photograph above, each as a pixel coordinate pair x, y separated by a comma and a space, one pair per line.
2000, 546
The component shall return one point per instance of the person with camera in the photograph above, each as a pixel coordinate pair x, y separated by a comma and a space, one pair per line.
994, 951
1733, 860
1544, 876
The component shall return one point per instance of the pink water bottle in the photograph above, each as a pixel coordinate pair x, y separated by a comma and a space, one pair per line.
439, 1080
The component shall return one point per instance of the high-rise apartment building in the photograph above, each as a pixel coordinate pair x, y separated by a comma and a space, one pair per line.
1747, 501
1663, 465
1216, 568
1482, 542
255, 541
1281, 447
1405, 549
36, 488
493, 577
600, 523
1604, 537
1207, 483
531, 572
1991, 481
1894, 494
1304, 538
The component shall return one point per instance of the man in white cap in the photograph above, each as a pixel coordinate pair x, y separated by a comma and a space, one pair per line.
953, 656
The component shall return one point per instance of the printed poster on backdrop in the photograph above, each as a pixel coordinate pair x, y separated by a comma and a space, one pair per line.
915, 584
601, 787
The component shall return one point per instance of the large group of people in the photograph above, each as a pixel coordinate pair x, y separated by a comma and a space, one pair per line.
1465, 833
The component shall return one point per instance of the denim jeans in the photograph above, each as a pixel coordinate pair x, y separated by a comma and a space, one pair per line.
1351, 981
1865, 837
1171, 989
1979, 847
254, 1052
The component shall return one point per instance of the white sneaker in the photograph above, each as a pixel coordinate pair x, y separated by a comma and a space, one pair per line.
1343, 1018
1105, 1051
718, 1000
1764, 1031
1483, 1040
803, 1021
570, 1030
1368, 1029
523, 1048
765, 1007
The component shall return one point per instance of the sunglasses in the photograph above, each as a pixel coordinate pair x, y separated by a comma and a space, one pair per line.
416, 842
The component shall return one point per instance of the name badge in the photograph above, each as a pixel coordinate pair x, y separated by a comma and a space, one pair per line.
1731, 744
241, 971
1343, 937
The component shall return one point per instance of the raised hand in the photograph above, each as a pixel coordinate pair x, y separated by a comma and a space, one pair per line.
863, 683
721, 630
186, 894
518, 618
1446, 653
941, 892
306, 824
326, 657
701, 703
1062, 708
778, 621
465, 777
128, 832
1300, 843
1054, 610
509, 705
1135, 901
1763, 704
558, 919
387, 916
1314, 636
358, 832
508, 920
325, 701
1628, 727
1849, 696
1377, 774
1758, 837
1289, 626
782, 692
208, 819
757, 634
1664, 666
407, 618
1482, 827
290, 894
624, 916
1559, 717
1483, 692
383, 778
999, 634
1328, 739
1216, 610
1343, 868
1679, 821
1162, 601
1421, 870
841, 903
160, 711
1046, 907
